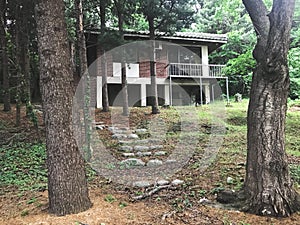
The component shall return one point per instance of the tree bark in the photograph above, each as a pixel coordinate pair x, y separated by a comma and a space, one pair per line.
25, 65
268, 186
154, 94
103, 4
3, 44
105, 102
120, 11
84, 74
124, 89
67, 184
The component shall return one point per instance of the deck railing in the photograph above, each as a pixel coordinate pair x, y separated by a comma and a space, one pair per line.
195, 70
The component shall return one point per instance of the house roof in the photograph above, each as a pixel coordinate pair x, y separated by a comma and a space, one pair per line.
213, 41
190, 36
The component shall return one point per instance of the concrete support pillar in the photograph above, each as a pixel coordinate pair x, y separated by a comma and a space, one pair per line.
143, 95
167, 95
207, 93
99, 92
205, 65
171, 92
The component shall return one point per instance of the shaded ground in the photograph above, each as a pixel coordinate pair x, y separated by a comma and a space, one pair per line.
113, 204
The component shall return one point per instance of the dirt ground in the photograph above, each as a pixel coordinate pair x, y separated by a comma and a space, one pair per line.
16, 208
138, 213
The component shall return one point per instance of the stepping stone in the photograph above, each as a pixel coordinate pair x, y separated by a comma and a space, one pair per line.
177, 182
142, 154
171, 161
143, 141
162, 182
142, 184
119, 136
125, 142
98, 122
112, 129
154, 162
124, 128
157, 147
154, 140
133, 136
128, 154
141, 131
100, 127
125, 148
141, 148
120, 131
132, 162
160, 153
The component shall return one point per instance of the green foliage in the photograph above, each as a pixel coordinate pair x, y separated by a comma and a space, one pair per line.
110, 39
239, 71
222, 16
294, 68
123, 205
110, 198
23, 166
295, 173
168, 16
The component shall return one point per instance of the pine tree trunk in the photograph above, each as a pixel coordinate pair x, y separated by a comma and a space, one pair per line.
120, 11
154, 94
84, 74
19, 77
268, 186
124, 90
25, 60
105, 102
103, 14
67, 184
3, 44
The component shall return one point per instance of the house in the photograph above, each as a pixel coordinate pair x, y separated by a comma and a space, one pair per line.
183, 73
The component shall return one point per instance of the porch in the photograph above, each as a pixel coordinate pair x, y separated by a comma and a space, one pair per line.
210, 73
185, 70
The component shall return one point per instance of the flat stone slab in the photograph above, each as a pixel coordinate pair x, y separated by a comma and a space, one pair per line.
132, 162
171, 161
160, 153
133, 136
142, 184
100, 127
156, 147
111, 129
128, 154
141, 148
142, 154
177, 182
154, 162
162, 182
126, 142
125, 148
119, 136
155, 140
141, 131
120, 131
141, 142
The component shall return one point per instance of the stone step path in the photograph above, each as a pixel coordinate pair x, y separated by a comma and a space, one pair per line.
138, 152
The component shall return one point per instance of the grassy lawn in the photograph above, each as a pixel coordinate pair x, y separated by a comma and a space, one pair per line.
23, 164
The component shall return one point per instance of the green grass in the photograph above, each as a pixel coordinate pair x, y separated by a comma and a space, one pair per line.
23, 165
292, 133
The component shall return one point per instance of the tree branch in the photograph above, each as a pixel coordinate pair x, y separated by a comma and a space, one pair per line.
281, 18
259, 15
165, 18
